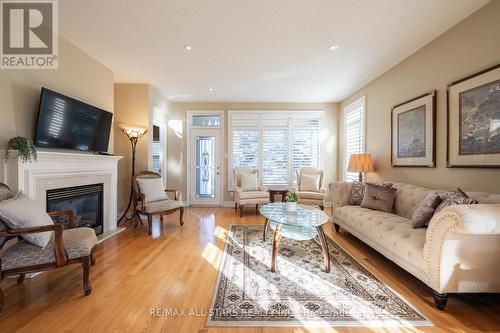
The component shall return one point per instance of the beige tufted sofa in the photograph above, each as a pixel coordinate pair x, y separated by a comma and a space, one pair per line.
458, 253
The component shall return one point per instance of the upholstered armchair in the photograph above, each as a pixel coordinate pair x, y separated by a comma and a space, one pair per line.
143, 206
251, 193
310, 187
70, 246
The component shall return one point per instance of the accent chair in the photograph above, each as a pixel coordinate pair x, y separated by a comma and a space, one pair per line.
70, 246
258, 195
151, 208
310, 187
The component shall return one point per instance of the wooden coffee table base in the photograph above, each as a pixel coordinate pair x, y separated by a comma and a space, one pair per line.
277, 237
324, 248
276, 242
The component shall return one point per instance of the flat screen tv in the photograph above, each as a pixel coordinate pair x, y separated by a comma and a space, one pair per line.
64, 122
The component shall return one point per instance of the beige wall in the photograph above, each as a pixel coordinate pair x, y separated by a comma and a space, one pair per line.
79, 76
159, 108
177, 134
468, 47
131, 107
135, 104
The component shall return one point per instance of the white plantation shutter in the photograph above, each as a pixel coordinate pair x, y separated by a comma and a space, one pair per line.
276, 142
245, 141
275, 149
354, 134
306, 142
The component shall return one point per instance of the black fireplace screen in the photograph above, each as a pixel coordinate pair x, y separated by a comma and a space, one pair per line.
85, 201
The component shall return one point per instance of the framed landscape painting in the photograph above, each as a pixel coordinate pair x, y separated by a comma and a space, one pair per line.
413, 132
474, 121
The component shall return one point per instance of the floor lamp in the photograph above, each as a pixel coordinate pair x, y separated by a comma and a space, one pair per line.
133, 133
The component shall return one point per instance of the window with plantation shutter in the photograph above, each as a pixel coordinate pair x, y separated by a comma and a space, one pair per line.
306, 142
354, 134
275, 142
245, 141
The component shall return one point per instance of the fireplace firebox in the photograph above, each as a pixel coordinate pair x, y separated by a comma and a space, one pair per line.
85, 201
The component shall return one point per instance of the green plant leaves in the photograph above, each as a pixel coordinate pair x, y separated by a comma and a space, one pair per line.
291, 196
26, 150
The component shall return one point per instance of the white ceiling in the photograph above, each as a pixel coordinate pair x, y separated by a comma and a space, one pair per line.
256, 50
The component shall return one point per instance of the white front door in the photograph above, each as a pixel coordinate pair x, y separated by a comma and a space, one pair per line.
205, 179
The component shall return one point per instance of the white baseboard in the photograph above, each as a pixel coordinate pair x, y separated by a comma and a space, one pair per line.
105, 235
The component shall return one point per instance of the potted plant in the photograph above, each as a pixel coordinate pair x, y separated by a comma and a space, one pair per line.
26, 150
291, 198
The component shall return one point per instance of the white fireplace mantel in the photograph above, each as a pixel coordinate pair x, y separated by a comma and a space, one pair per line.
54, 170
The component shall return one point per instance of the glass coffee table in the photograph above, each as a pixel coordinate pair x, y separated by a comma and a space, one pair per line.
303, 224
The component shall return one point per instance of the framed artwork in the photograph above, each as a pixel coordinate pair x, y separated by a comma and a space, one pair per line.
413, 126
474, 121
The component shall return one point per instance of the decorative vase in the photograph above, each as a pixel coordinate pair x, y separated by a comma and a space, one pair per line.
291, 206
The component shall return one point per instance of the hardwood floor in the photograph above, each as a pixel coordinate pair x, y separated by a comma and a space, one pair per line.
177, 268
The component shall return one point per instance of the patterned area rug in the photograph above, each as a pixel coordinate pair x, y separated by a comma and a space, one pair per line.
300, 293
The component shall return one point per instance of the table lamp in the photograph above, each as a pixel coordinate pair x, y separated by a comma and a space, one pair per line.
360, 163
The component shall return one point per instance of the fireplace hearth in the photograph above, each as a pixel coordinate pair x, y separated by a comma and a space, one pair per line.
86, 201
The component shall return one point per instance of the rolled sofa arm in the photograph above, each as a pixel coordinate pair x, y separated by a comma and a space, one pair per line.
462, 248
340, 193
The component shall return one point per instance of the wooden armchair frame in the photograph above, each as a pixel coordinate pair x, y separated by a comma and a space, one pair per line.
59, 252
139, 201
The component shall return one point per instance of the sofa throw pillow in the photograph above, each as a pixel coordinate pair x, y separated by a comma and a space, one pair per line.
249, 182
23, 212
424, 212
309, 183
358, 192
451, 198
378, 197
152, 188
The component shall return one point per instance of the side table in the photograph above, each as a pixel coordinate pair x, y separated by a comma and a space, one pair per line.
281, 190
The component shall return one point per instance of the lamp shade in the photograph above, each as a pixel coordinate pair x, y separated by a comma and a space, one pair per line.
360, 163
133, 131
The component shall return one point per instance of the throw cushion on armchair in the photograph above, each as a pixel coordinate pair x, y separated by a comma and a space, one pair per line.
309, 183
23, 212
249, 182
152, 188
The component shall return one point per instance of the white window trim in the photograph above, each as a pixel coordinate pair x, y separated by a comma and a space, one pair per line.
320, 113
190, 114
360, 102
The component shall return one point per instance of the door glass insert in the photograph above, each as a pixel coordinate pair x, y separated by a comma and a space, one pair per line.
205, 167
156, 149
